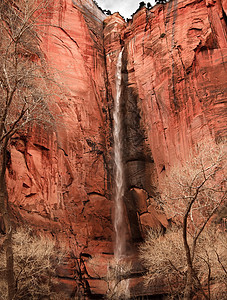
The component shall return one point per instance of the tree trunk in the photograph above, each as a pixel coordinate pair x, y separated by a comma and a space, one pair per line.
4, 210
10, 267
7, 245
188, 286
189, 279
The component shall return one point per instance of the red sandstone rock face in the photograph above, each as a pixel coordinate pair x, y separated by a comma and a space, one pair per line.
174, 77
176, 64
59, 182
75, 51
174, 88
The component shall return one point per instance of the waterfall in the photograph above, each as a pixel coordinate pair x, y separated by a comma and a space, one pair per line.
120, 238
121, 267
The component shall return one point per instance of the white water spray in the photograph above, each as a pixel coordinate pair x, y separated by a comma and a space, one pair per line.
119, 227
120, 269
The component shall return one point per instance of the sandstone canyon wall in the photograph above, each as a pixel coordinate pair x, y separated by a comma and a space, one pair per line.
174, 79
174, 92
59, 182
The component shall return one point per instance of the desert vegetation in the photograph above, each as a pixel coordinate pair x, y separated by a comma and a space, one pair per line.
36, 258
24, 95
191, 256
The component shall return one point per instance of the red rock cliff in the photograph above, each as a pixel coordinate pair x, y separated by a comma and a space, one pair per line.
174, 89
59, 181
175, 57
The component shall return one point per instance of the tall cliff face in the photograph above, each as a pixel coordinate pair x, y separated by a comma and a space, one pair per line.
59, 181
174, 80
175, 60
174, 89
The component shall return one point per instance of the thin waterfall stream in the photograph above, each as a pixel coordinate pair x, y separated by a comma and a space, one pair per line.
120, 238
121, 267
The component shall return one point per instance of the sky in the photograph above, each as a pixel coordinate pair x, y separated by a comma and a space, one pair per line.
125, 7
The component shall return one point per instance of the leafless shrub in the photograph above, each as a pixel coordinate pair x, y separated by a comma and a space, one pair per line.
117, 278
24, 81
193, 196
200, 183
35, 262
211, 262
165, 259
24, 92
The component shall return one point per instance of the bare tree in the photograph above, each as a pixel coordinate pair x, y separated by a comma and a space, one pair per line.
165, 259
194, 194
23, 92
35, 262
